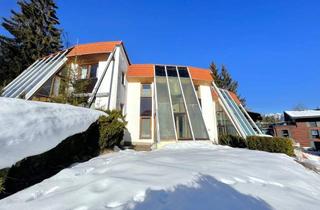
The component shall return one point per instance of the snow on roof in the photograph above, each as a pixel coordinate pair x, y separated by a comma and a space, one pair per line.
186, 176
29, 128
303, 114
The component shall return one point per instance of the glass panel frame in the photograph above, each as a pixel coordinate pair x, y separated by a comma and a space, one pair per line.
198, 126
181, 117
165, 122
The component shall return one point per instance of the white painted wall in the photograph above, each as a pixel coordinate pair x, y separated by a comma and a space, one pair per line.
111, 83
133, 115
209, 112
133, 112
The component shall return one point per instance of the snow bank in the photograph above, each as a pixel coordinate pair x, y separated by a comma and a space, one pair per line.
183, 176
29, 128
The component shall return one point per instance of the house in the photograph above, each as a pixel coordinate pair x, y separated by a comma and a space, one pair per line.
162, 103
302, 126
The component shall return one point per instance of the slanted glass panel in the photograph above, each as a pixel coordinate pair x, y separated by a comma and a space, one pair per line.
45, 90
225, 127
195, 115
165, 120
244, 123
179, 110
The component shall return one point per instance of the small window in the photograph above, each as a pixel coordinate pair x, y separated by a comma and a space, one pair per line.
93, 70
285, 133
122, 78
312, 124
84, 72
146, 90
315, 134
145, 107
145, 127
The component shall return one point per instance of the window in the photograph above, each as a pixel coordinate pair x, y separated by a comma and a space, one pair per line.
122, 78
84, 72
145, 111
93, 70
285, 133
314, 124
315, 134
88, 71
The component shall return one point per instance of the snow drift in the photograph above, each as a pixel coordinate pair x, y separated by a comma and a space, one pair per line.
28, 128
183, 176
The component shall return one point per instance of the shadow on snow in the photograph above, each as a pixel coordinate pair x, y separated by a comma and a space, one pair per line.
207, 193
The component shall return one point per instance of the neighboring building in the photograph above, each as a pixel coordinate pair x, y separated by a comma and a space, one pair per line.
302, 126
161, 102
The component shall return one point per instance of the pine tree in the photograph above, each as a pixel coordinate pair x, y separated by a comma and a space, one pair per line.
224, 80
34, 34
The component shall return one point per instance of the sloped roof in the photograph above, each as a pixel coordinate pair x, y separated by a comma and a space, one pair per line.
140, 70
93, 48
235, 97
303, 114
147, 70
200, 74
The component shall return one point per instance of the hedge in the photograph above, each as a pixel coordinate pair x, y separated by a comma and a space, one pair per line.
271, 144
233, 141
111, 129
268, 144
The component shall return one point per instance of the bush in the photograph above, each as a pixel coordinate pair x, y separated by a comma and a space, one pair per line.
1, 185
271, 144
233, 141
111, 129
268, 144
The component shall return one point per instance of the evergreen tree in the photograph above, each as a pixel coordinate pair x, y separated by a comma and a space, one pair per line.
34, 34
224, 80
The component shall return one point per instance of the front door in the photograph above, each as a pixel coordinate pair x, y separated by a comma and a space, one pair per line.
182, 126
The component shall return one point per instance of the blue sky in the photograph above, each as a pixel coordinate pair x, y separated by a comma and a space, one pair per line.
272, 48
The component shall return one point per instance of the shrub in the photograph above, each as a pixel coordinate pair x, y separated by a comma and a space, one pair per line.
232, 141
1, 185
111, 129
271, 144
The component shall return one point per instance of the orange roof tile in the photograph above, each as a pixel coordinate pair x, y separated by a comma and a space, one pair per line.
235, 97
93, 48
140, 70
200, 74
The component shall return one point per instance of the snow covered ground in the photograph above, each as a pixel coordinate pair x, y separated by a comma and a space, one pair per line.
183, 176
29, 128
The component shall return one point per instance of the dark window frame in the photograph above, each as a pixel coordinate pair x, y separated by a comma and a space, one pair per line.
287, 135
